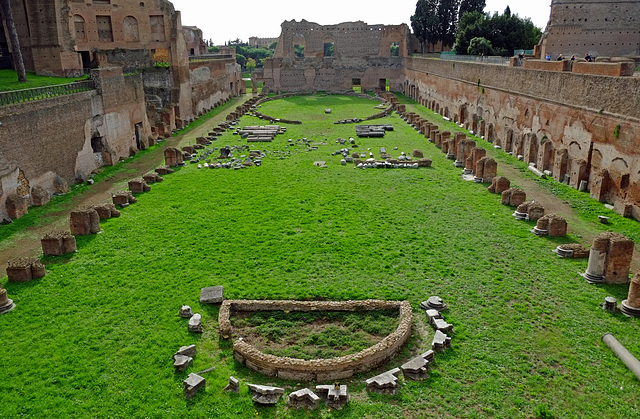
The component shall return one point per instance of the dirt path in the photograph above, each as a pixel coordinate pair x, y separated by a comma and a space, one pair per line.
27, 242
551, 203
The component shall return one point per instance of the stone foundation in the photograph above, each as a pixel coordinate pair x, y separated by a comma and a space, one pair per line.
58, 243
317, 369
84, 221
25, 269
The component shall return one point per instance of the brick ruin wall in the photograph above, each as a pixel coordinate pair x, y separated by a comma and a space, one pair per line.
360, 51
547, 117
317, 369
214, 81
45, 139
601, 28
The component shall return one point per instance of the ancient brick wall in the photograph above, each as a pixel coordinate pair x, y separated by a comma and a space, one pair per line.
547, 117
361, 54
601, 28
70, 136
317, 369
212, 82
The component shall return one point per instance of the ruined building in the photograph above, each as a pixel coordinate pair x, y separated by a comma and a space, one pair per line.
313, 57
143, 87
600, 28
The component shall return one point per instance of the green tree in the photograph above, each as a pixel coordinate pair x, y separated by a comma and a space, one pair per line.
506, 32
298, 51
479, 46
447, 21
250, 64
241, 59
424, 22
273, 45
18, 62
471, 6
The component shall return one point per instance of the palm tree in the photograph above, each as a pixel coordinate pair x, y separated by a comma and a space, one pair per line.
18, 63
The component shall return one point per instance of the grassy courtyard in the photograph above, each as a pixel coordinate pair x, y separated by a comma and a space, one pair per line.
95, 337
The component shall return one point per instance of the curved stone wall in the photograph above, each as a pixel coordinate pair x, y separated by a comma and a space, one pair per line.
317, 369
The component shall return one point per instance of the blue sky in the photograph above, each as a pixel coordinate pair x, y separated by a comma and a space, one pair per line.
222, 21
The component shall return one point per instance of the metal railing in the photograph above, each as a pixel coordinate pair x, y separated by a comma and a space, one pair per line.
76, 72
476, 59
204, 57
38, 93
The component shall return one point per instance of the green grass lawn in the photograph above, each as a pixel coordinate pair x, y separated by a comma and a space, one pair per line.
9, 81
94, 338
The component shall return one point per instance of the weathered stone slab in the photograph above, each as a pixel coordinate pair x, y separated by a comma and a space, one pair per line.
304, 398
186, 312
192, 385
385, 383
336, 396
265, 395
212, 295
189, 350
195, 323
182, 362
233, 386
440, 341
418, 367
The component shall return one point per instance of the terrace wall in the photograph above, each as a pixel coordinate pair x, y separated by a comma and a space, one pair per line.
50, 138
579, 126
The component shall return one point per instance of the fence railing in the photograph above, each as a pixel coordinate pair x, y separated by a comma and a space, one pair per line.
476, 59
38, 93
204, 57
76, 72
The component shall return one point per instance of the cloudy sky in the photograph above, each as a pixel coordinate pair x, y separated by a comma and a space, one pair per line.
225, 20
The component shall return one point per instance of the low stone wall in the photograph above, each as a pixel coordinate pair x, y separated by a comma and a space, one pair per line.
563, 65
605, 69
317, 369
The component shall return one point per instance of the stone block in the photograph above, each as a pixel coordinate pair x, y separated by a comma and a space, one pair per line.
138, 186
40, 196
304, 398
16, 206
182, 362
619, 69
212, 295
195, 323
440, 341
189, 350
84, 221
186, 312
385, 383
25, 269
6, 304
513, 197
192, 385
336, 396
265, 395
233, 386
499, 184
417, 368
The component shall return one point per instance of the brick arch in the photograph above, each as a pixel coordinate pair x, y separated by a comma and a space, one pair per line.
130, 29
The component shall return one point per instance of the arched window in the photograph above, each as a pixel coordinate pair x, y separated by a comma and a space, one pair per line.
131, 33
78, 23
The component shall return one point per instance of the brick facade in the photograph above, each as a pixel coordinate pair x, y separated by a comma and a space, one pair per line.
600, 28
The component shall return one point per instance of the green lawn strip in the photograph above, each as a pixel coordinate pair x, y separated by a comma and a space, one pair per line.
41, 215
96, 335
587, 208
9, 81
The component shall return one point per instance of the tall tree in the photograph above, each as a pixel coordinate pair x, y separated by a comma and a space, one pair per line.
447, 21
424, 22
471, 6
18, 62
